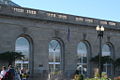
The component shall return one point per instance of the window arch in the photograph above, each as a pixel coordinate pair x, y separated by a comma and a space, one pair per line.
107, 50
82, 52
23, 45
54, 56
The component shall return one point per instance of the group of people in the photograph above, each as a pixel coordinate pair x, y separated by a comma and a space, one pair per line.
12, 74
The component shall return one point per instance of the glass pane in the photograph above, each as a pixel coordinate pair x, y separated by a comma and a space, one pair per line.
82, 50
85, 69
57, 67
54, 56
22, 45
106, 50
50, 67
82, 58
107, 67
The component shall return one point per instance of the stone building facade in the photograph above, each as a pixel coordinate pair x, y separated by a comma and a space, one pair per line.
40, 27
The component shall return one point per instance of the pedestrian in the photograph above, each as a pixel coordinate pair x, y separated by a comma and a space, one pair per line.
25, 75
17, 74
3, 72
10, 74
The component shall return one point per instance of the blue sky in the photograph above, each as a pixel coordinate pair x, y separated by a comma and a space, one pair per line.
101, 9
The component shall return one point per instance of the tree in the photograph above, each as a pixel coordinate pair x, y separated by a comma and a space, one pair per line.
104, 60
117, 63
10, 57
107, 59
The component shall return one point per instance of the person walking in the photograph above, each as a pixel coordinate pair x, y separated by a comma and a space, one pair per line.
3, 72
10, 74
17, 74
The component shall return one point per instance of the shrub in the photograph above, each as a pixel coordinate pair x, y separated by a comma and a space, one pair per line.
117, 78
103, 78
78, 77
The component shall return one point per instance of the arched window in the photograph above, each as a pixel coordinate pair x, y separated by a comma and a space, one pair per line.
106, 51
82, 58
22, 45
54, 56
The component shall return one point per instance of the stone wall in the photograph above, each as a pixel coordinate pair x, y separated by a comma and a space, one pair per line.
41, 31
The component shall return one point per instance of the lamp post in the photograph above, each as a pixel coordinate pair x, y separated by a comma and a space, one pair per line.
100, 30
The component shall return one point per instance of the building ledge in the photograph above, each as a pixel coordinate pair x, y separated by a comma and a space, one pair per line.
7, 10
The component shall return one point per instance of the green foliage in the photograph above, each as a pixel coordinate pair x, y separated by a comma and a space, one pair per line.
98, 78
104, 59
10, 56
78, 77
104, 77
117, 78
117, 63
97, 75
95, 59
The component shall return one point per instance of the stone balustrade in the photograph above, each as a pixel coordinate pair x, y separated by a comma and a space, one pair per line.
52, 16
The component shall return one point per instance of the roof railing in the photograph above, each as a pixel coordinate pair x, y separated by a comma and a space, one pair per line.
10, 10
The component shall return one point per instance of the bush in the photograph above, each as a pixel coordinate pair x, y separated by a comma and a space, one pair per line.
98, 78
117, 78
78, 77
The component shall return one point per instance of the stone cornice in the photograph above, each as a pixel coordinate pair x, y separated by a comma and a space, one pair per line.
56, 17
